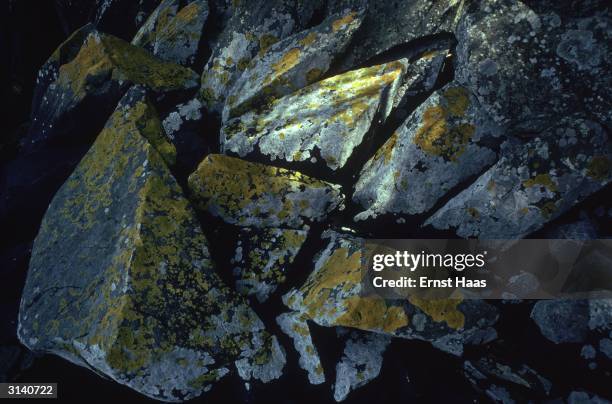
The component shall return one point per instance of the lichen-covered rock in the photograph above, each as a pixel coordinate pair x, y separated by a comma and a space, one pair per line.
292, 63
333, 295
252, 194
445, 140
563, 321
262, 258
390, 24
172, 32
93, 79
121, 280
528, 69
330, 117
253, 27
532, 183
295, 326
263, 361
360, 363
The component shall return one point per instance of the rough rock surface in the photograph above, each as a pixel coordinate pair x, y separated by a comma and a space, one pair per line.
446, 140
121, 279
332, 296
172, 32
535, 183
252, 28
262, 259
528, 69
292, 63
251, 194
330, 117
295, 326
361, 362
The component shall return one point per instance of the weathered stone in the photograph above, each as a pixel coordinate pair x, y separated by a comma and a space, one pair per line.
444, 141
121, 280
532, 183
253, 27
262, 257
252, 194
292, 63
583, 397
264, 361
562, 321
295, 326
332, 296
330, 117
361, 362
389, 24
529, 69
102, 69
172, 32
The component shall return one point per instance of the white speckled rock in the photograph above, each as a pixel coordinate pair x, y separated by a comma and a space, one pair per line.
437, 147
291, 63
331, 116
532, 184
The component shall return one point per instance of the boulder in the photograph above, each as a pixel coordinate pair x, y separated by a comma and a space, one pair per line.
172, 33
258, 195
292, 63
121, 280
445, 141
532, 183
334, 295
327, 119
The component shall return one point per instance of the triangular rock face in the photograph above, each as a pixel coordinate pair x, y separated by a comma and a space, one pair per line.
330, 117
172, 32
292, 63
121, 279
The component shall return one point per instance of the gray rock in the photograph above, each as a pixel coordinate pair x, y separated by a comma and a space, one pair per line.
528, 69
262, 258
121, 280
258, 195
360, 363
292, 63
562, 321
333, 295
582, 397
444, 141
605, 346
172, 32
295, 326
331, 116
532, 183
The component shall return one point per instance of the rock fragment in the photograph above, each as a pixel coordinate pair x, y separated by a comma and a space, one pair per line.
120, 279
258, 195
532, 183
329, 118
443, 142
172, 32
262, 259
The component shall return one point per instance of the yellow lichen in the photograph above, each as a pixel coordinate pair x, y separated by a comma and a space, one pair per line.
543, 180
441, 310
343, 22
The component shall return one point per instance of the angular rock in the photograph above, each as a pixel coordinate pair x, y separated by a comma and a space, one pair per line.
390, 24
563, 321
91, 81
121, 280
253, 27
330, 117
262, 258
532, 184
528, 69
252, 194
444, 141
264, 361
333, 296
172, 33
292, 63
361, 362
295, 326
